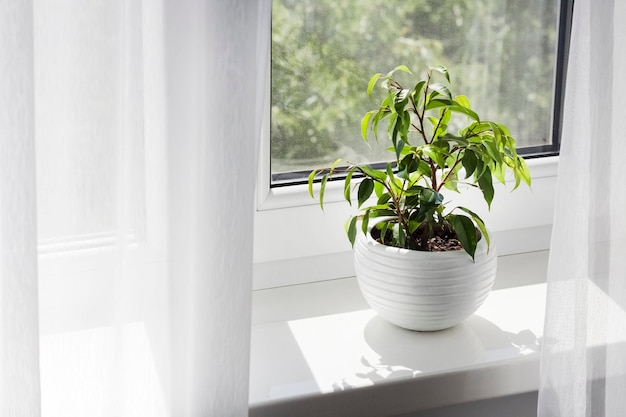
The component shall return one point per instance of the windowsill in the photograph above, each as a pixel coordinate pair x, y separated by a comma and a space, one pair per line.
318, 350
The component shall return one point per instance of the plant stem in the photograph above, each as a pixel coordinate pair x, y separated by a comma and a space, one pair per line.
421, 117
398, 208
433, 175
445, 179
443, 113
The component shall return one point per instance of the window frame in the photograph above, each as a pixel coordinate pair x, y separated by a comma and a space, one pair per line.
295, 242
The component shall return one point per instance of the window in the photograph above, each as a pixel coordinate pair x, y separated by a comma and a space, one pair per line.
294, 241
506, 56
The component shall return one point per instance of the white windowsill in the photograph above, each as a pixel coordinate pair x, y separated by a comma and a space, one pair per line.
318, 350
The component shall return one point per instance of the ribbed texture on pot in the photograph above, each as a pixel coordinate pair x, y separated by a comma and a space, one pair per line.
424, 291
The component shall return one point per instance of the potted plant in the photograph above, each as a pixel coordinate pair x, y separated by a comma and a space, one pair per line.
421, 264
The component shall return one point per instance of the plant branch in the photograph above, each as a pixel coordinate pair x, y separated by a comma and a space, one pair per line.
433, 175
443, 113
423, 114
450, 171
398, 207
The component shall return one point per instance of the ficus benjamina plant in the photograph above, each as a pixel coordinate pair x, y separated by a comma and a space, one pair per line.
427, 157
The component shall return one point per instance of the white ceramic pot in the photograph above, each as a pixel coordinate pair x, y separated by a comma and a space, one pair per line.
423, 291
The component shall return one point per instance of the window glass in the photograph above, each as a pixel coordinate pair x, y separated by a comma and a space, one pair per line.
500, 53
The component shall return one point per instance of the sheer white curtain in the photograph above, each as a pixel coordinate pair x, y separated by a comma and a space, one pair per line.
583, 371
128, 144
19, 363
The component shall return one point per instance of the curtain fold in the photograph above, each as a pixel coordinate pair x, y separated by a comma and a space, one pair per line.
128, 151
214, 85
19, 350
583, 368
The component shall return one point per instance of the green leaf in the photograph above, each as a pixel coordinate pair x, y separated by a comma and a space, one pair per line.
445, 116
365, 122
444, 146
480, 165
323, 189
382, 213
406, 125
389, 171
479, 222
346, 186
453, 139
399, 147
442, 90
411, 201
365, 190
463, 101
376, 208
469, 162
523, 170
401, 96
431, 196
438, 103
399, 68
335, 164
399, 235
400, 101
365, 222
371, 172
517, 177
392, 128
386, 104
350, 227
442, 70
492, 149
456, 107
376, 119
311, 181
452, 182
497, 133
372, 83
417, 91
499, 173
424, 169
406, 165
485, 183
473, 131
383, 198
504, 129
433, 120
435, 154
379, 188
383, 227
395, 183
466, 233
414, 190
